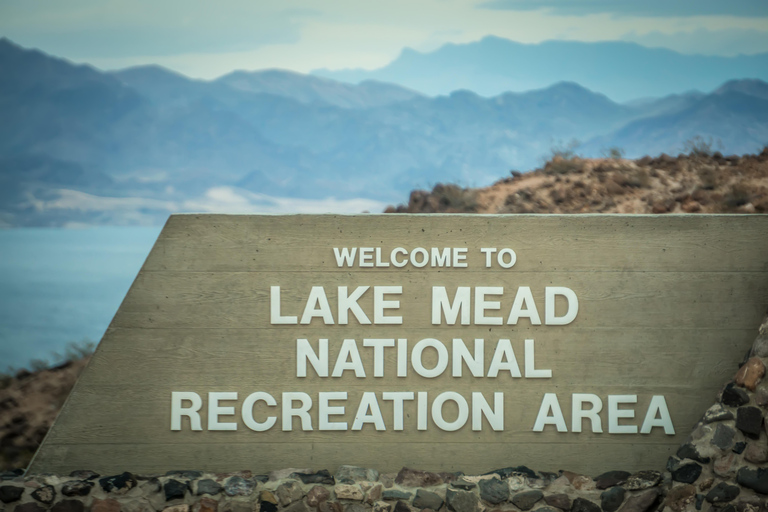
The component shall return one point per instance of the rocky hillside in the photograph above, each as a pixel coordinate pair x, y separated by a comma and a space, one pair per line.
698, 182
29, 402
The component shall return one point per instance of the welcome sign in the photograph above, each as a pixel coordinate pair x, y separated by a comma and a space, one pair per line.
450, 342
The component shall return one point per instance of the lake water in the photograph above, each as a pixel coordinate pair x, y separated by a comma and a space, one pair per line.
63, 285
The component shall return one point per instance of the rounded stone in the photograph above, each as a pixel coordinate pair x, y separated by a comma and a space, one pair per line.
611, 500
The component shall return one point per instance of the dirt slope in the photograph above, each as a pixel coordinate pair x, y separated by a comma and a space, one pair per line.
696, 183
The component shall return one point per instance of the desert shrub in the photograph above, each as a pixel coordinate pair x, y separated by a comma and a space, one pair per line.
638, 178
614, 153
698, 146
455, 198
563, 159
738, 195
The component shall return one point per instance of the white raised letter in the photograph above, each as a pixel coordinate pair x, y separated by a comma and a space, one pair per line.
482, 408
397, 397
474, 363
379, 304
349, 303
324, 409
378, 353
530, 364
658, 405
348, 359
504, 359
317, 306
247, 412
614, 414
304, 353
192, 412
578, 413
524, 298
302, 412
368, 412
345, 257
549, 305
215, 410
275, 318
437, 411
550, 403
481, 305
440, 303
442, 358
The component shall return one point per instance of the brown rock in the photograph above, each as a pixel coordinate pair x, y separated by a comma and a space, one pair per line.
678, 498
62, 506
137, 505
750, 373
641, 502
206, 505
706, 483
317, 495
382, 506
761, 396
268, 496
757, 451
330, 506
583, 483
724, 467
288, 493
374, 494
417, 478
560, 500
348, 492
298, 506
177, 508
107, 505
32, 507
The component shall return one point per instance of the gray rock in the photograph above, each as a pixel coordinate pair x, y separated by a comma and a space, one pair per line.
749, 420
289, 492
175, 490
547, 509
739, 447
760, 346
755, 479
641, 502
45, 494
185, 475
122, 483
208, 486
67, 506
463, 484
687, 473
395, 494
559, 500
462, 501
717, 413
10, 493
723, 437
689, 451
355, 507
352, 474
611, 478
426, 499
417, 478
734, 396
611, 500
321, 477
582, 505
402, 507
84, 474
77, 488
526, 500
723, 493
239, 486
30, 507
299, 506
493, 490
514, 470
642, 480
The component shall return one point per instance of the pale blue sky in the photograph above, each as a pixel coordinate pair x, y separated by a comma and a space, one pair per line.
207, 39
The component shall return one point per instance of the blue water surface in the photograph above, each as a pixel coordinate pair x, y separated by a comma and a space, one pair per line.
63, 285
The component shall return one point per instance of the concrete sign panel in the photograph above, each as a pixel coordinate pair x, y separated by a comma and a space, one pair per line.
447, 342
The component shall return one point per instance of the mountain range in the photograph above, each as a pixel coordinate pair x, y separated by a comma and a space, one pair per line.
79, 145
623, 71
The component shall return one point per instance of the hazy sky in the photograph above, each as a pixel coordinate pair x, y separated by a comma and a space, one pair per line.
209, 38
